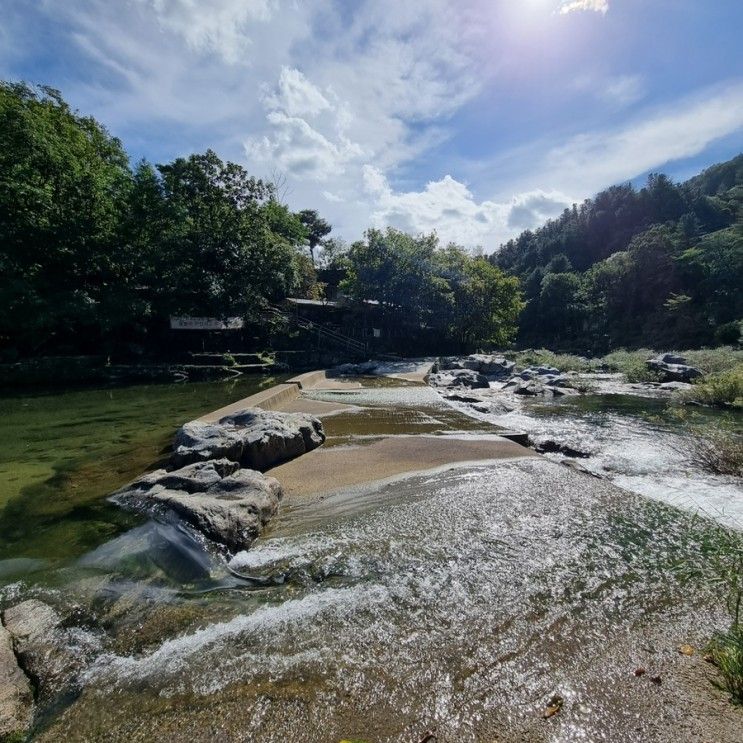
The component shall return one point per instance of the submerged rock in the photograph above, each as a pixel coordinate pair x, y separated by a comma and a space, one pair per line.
255, 438
673, 368
548, 446
16, 695
51, 655
458, 378
227, 504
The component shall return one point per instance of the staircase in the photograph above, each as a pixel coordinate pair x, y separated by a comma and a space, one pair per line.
323, 332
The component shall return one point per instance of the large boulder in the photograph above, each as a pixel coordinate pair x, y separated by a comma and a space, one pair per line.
673, 368
458, 379
16, 695
255, 438
490, 366
227, 504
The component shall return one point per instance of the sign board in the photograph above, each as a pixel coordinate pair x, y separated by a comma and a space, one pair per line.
206, 323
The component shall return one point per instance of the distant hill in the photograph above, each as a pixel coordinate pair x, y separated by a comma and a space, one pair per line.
662, 265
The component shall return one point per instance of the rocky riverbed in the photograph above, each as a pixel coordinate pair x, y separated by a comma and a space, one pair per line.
509, 599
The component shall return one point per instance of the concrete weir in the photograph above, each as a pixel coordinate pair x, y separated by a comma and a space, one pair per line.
333, 467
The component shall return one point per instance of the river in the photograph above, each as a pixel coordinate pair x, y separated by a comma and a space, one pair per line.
452, 604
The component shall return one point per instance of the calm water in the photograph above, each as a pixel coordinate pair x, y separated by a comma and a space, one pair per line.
62, 452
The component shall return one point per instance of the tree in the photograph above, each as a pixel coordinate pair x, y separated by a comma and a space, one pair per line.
64, 185
316, 227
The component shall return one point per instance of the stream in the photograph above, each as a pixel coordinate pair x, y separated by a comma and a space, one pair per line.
425, 606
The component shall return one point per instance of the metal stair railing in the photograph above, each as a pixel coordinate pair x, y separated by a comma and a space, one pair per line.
322, 331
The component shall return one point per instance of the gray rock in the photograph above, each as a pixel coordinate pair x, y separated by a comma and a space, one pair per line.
227, 504
490, 366
16, 695
673, 368
675, 386
255, 438
52, 655
564, 391
458, 378
529, 387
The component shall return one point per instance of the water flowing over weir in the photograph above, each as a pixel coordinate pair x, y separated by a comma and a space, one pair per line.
454, 602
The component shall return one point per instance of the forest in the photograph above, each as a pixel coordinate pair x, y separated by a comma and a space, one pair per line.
661, 266
97, 253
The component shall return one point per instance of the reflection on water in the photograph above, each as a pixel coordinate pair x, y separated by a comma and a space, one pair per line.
61, 453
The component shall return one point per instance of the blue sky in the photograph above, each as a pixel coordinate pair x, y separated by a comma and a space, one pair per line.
475, 118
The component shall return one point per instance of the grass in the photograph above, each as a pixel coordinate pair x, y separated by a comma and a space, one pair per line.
724, 389
716, 448
726, 652
710, 361
632, 364
543, 357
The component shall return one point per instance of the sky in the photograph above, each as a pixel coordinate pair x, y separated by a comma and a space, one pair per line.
476, 118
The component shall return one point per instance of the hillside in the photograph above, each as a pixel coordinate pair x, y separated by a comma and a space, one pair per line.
662, 265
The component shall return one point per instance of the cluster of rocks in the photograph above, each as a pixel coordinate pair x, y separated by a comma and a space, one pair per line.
215, 480
40, 659
472, 372
546, 381
673, 368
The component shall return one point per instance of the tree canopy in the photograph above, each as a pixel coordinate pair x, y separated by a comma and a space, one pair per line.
660, 265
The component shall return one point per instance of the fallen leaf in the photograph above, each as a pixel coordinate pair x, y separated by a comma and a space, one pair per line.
553, 706
686, 649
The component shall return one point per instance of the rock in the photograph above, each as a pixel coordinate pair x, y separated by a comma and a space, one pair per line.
531, 388
227, 504
673, 368
458, 378
564, 391
461, 397
255, 438
51, 655
490, 366
555, 447
675, 386
354, 370
16, 695
447, 363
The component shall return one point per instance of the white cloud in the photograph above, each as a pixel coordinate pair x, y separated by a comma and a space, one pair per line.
623, 90
296, 95
449, 207
220, 26
571, 6
591, 161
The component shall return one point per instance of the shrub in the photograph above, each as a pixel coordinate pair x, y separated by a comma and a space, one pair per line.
728, 333
723, 390
716, 449
632, 364
543, 357
715, 360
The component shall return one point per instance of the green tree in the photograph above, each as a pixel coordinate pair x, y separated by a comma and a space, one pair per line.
317, 228
64, 186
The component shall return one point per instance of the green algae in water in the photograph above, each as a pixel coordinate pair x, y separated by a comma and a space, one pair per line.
61, 453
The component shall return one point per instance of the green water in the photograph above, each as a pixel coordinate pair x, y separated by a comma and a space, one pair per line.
61, 453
